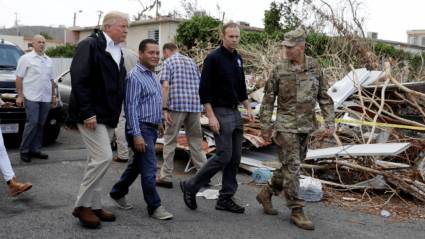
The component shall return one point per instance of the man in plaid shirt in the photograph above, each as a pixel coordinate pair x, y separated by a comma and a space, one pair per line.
180, 79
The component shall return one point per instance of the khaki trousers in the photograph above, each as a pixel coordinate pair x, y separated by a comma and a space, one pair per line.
192, 127
98, 143
122, 146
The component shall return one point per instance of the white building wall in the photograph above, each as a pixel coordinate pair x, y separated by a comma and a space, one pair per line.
416, 37
138, 33
85, 34
167, 33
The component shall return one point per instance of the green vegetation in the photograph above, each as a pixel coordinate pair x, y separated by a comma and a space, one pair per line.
61, 51
272, 18
198, 31
46, 35
317, 44
290, 14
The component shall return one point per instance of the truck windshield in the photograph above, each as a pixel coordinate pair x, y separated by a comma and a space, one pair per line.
9, 56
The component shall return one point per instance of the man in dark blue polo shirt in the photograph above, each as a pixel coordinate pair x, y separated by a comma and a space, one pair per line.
221, 90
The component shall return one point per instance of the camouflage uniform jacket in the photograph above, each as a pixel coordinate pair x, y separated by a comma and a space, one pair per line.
297, 93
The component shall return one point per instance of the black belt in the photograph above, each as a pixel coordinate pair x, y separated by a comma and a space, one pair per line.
232, 107
151, 125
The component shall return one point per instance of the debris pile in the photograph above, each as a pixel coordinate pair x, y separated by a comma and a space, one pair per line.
378, 114
378, 144
379, 140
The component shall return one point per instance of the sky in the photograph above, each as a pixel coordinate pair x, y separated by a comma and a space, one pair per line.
390, 18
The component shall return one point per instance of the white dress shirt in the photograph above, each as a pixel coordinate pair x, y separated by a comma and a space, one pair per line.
113, 49
37, 74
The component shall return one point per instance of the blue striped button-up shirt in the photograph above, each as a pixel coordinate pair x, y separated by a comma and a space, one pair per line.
143, 99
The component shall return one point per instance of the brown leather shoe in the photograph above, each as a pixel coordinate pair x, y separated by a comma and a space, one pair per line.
104, 215
87, 217
16, 188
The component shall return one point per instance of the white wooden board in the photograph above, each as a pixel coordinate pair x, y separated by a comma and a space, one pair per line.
387, 149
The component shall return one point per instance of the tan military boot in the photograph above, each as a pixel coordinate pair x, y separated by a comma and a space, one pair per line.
264, 197
16, 188
300, 220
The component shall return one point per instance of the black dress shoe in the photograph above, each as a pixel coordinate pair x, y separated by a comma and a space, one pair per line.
229, 205
26, 157
39, 155
188, 198
208, 185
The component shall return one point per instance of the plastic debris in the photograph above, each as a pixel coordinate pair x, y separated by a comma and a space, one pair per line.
261, 175
385, 213
210, 194
310, 189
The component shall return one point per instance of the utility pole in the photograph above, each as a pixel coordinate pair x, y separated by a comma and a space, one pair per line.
100, 16
16, 24
75, 16
157, 8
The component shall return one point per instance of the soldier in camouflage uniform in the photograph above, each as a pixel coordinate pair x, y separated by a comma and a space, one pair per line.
298, 84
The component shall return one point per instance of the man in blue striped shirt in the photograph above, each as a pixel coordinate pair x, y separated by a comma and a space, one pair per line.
143, 103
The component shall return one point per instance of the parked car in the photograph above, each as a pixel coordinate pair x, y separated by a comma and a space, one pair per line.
12, 118
63, 82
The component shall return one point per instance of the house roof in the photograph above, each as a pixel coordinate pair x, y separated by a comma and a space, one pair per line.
402, 44
163, 19
416, 32
252, 29
137, 23
157, 20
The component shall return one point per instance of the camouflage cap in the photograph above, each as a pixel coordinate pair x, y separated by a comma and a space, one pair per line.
294, 37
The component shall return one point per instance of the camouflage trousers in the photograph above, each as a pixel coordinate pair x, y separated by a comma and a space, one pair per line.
292, 151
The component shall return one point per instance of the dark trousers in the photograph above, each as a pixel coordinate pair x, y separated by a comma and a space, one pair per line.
32, 137
228, 154
143, 164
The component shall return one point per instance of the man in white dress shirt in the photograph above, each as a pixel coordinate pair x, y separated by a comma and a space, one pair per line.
35, 88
